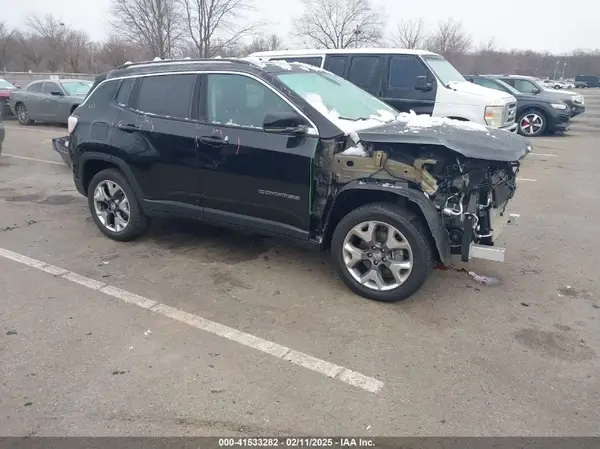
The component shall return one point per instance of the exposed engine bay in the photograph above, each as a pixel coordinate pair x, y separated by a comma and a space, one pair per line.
470, 195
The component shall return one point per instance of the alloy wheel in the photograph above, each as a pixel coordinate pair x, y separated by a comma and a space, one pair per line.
22, 113
377, 255
111, 206
531, 124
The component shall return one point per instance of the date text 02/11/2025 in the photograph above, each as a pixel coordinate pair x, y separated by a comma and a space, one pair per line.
296, 442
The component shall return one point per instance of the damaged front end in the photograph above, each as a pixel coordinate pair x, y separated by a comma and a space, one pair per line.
470, 195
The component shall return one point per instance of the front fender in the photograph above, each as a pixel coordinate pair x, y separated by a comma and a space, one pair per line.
402, 190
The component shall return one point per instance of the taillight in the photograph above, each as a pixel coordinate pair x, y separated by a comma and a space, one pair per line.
71, 123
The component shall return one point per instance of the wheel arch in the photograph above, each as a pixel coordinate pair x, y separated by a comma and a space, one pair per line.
90, 163
354, 195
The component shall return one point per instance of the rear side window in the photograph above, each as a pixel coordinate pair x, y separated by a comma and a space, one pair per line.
316, 60
124, 91
167, 95
404, 70
51, 87
365, 72
103, 94
526, 87
35, 87
487, 83
336, 64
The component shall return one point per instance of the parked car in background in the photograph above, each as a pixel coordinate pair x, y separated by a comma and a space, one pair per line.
50, 100
536, 114
589, 80
5, 90
293, 151
530, 85
416, 80
553, 84
569, 84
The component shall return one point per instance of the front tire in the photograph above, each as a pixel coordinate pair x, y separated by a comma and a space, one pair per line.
382, 252
22, 114
532, 123
114, 206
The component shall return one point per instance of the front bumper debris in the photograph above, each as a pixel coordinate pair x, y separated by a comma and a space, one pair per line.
61, 146
511, 128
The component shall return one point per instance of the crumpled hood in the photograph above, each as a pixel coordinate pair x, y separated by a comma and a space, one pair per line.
469, 139
494, 96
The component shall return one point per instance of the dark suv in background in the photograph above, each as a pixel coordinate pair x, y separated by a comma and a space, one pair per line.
291, 150
536, 114
532, 86
589, 80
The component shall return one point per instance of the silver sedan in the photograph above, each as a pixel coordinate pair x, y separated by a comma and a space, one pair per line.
48, 100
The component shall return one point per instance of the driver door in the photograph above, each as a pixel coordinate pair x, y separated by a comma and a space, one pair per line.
249, 177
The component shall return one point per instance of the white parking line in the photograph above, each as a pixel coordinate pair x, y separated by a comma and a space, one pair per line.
526, 179
543, 154
26, 128
45, 161
307, 361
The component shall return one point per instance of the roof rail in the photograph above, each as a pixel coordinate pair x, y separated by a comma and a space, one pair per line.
186, 60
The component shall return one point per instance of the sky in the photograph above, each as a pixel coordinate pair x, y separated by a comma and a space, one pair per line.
547, 25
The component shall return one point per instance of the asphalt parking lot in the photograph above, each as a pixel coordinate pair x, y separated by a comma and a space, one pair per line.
193, 330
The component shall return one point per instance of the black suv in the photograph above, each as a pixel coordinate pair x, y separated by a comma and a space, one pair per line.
291, 150
536, 114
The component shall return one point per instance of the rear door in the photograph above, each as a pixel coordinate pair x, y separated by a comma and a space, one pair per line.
32, 98
400, 85
157, 128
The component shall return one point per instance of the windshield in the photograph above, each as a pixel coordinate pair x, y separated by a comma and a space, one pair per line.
76, 87
445, 71
6, 85
340, 97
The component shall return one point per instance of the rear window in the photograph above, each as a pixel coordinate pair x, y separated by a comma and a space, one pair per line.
35, 87
124, 91
103, 94
167, 95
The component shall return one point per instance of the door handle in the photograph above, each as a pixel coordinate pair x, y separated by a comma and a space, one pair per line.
213, 140
128, 127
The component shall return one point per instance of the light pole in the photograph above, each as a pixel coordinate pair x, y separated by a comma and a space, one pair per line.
563, 72
556, 69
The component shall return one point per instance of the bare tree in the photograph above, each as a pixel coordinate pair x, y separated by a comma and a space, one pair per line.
151, 24
115, 52
54, 33
6, 40
410, 34
31, 50
449, 39
261, 43
213, 25
76, 50
339, 23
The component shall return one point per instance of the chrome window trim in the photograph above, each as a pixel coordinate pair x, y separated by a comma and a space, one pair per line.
313, 130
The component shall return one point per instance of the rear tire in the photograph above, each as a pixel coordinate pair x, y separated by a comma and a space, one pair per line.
22, 114
399, 265
114, 207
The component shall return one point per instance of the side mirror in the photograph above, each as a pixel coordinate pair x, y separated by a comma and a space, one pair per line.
422, 84
283, 122
56, 93
535, 91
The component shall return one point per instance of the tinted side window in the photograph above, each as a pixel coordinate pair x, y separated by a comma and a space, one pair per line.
239, 100
526, 87
51, 87
365, 72
404, 70
509, 81
315, 60
124, 91
35, 87
167, 95
336, 64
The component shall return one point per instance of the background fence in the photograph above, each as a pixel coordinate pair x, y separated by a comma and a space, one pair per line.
23, 78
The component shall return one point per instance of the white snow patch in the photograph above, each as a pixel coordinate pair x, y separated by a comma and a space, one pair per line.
357, 150
282, 64
413, 120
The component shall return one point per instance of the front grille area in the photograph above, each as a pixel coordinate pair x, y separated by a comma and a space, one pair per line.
510, 113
